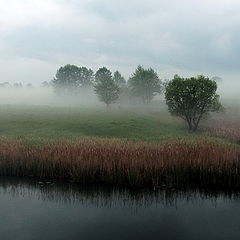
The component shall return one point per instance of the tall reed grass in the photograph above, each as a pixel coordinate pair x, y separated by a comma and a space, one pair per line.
179, 163
227, 127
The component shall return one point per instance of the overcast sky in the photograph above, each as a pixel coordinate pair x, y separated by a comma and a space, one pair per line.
187, 37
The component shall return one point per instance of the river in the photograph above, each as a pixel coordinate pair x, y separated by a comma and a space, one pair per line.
33, 210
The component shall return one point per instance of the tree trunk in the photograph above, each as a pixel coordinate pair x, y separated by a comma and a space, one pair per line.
196, 124
190, 127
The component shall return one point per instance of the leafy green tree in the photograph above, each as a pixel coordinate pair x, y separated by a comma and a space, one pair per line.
70, 78
66, 79
192, 99
106, 88
119, 79
145, 83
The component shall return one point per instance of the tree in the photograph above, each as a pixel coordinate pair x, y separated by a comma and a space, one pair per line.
145, 83
66, 79
119, 79
70, 78
106, 88
86, 77
192, 99
124, 90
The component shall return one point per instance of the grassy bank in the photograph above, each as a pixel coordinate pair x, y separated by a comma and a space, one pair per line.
125, 147
179, 163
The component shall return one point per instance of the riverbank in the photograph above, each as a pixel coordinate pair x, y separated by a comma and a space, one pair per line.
127, 147
202, 162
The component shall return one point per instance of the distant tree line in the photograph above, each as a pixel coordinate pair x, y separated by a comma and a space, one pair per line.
8, 85
191, 99
19, 85
109, 87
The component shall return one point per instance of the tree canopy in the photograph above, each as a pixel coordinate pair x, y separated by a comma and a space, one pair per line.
119, 79
86, 77
70, 78
192, 98
145, 84
105, 87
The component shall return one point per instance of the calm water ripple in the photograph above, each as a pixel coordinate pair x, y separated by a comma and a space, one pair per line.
32, 210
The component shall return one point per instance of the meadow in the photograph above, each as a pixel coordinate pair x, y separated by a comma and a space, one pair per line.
127, 146
43, 124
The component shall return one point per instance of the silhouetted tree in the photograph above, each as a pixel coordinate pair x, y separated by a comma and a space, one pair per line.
192, 99
105, 86
145, 84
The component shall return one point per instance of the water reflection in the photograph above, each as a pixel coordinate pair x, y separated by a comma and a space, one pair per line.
46, 210
100, 196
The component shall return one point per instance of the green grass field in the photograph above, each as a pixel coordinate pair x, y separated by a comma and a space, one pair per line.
43, 123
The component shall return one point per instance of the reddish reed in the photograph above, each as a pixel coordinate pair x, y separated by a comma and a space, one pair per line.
179, 163
225, 127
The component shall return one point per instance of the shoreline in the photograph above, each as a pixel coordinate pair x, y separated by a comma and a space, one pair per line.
200, 163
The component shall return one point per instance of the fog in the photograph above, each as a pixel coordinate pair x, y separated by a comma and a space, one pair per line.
46, 96
38, 95
173, 37
185, 37
229, 89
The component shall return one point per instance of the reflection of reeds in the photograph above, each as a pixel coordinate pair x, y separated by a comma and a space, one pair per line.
200, 162
107, 196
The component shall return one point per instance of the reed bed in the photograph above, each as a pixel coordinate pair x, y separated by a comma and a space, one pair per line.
231, 133
227, 127
178, 163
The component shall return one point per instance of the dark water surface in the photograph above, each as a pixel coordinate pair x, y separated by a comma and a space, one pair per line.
33, 210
